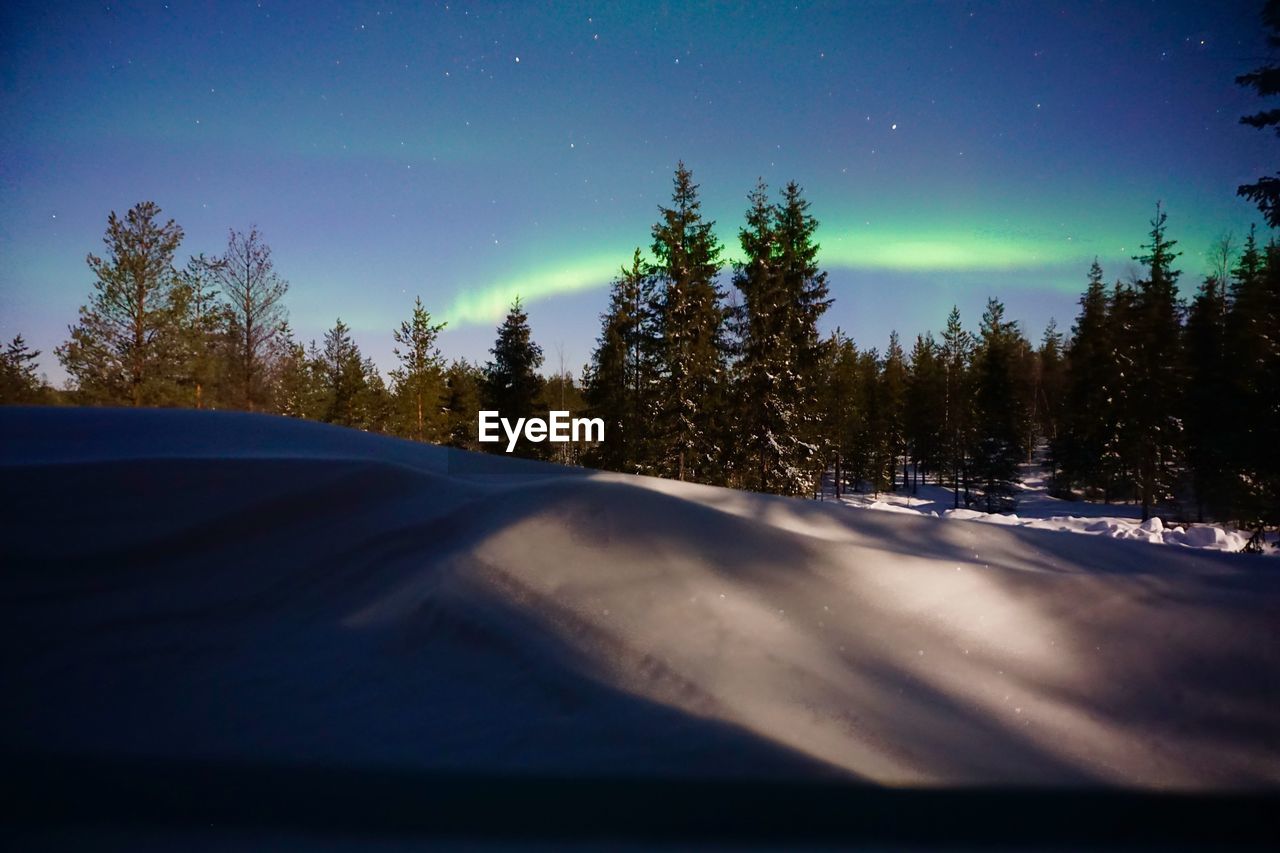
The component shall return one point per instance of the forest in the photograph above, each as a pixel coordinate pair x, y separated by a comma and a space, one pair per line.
1153, 399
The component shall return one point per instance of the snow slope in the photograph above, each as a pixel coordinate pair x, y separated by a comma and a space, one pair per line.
210, 585
1037, 508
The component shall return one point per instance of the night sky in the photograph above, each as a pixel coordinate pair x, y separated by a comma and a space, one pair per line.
470, 152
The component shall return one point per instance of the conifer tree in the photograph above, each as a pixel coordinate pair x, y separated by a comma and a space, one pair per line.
463, 382
343, 371
1123, 421
1207, 399
839, 395
1050, 386
203, 323
957, 351
893, 401
1091, 380
691, 320
1157, 427
19, 382
998, 412
121, 350
419, 378
512, 385
1253, 421
925, 407
622, 378
299, 389
254, 294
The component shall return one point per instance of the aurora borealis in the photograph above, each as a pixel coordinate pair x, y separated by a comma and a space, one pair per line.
470, 152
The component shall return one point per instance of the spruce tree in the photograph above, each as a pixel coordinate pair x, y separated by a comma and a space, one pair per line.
1090, 382
19, 382
893, 401
925, 408
1047, 401
463, 382
254, 294
344, 375
1157, 427
419, 378
122, 350
839, 395
691, 320
622, 378
203, 321
512, 386
1253, 421
1207, 399
998, 412
957, 351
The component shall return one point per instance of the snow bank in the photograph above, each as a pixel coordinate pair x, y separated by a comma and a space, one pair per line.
203, 585
1037, 510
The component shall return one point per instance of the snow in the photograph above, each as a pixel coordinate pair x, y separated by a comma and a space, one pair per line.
235, 587
1039, 510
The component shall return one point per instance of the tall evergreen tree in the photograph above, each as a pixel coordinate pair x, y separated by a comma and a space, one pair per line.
202, 320
998, 412
692, 323
1207, 399
1253, 420
342, 368
463, 382
1047, 399
839, 396
1091, 381
512, 385
622, 379
1158, 429
925, 407
957, 351
122, 349
893, 401
419, 378
254, 295
783, 296
19, 382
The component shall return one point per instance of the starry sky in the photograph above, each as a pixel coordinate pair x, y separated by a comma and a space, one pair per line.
469, 152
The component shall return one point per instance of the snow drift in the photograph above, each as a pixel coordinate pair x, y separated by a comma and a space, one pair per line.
232, 586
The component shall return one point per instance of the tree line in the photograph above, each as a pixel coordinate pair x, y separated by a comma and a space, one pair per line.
1152, 400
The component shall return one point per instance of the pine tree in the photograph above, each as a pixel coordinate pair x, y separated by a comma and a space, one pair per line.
1206, 400
893, 401
298, 387
419, 380
998, 412
839, 394
254, 295
925, 407
1050, 387
19, 382
344, 375
512, 387
691, 320
622, 379
1090, 383
957, 351
1158, 429
203, 323
1253, 420
121, 351
1123, 431
463, 382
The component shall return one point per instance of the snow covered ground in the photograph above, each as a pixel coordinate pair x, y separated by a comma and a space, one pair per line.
231, 586
1036, 508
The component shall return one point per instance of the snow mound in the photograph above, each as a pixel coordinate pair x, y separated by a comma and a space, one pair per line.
230, 586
